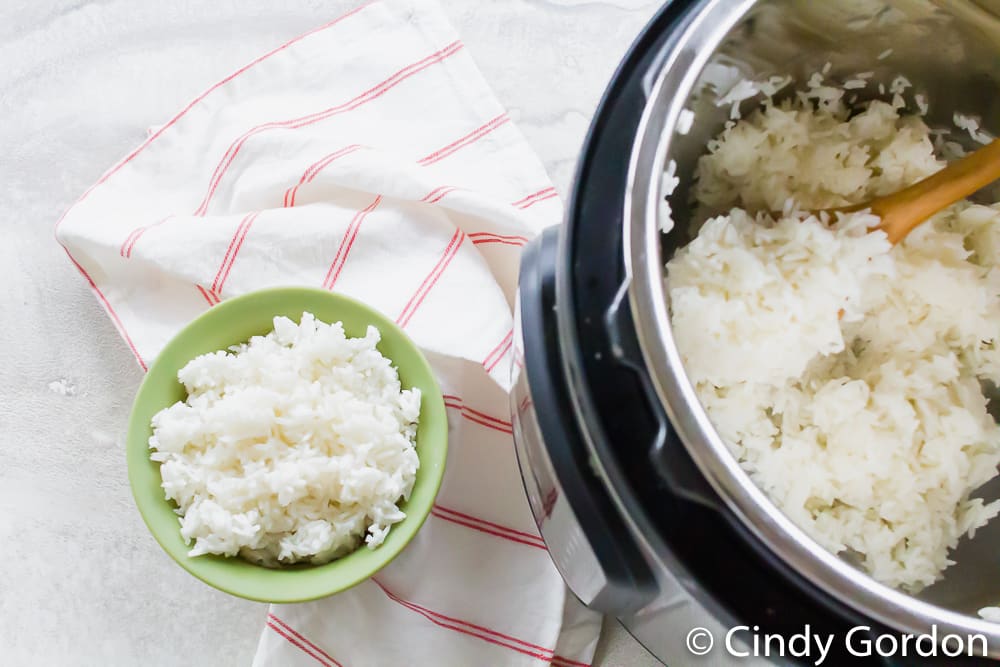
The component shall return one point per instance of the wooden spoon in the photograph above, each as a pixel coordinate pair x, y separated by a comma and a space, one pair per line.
904, 210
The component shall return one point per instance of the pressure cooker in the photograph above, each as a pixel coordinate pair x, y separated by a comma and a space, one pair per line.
646, 514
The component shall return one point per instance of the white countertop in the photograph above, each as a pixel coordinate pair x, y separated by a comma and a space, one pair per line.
82, 582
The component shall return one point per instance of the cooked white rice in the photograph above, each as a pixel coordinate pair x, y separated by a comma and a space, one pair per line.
991, 614
292, 447
971, 125
844, 373
668, 183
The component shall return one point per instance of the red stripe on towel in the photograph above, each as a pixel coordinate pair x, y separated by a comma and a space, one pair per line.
129, 243
544, 193
234, 248
552, 195
494, 357
294, 642
347, 243
293, 123
503, 353
211, 297
299, 636
314, 169
485, 529
506, 237
478, 631
477, 416
560, 661
487, 424
464, 141
495, 526
483, 415
477, 420
489, 237
518, 357
425, 287
517, 244
498, 526
437, 194
107, 306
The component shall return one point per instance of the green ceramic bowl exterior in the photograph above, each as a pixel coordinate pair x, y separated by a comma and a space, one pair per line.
235, 321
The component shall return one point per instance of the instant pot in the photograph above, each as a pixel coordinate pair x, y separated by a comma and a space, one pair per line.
646, 514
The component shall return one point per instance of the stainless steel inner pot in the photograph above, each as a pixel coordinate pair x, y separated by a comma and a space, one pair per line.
950, 51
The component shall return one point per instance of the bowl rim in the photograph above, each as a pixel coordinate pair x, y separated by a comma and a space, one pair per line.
432, 427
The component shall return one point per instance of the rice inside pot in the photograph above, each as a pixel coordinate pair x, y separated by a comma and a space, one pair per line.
842, 372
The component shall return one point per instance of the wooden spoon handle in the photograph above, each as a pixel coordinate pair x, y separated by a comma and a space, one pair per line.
904, 210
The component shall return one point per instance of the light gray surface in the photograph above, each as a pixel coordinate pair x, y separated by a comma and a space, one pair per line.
83, 583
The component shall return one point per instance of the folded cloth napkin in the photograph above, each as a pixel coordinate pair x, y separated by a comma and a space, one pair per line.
368, 157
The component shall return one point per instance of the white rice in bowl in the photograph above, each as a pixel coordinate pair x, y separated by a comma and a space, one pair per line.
842, 372
293, 447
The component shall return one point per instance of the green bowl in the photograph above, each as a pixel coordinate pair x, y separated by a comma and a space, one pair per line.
235, 321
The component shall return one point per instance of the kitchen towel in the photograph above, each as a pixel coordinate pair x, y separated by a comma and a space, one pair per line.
368, 157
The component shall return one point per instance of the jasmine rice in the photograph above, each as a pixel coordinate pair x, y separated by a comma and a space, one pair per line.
842, 372
294, 447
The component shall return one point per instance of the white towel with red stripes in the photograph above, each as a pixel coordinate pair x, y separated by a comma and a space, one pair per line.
369, 157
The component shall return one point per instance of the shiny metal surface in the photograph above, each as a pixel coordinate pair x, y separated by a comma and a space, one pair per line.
555, 518
950, 50
660, 626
